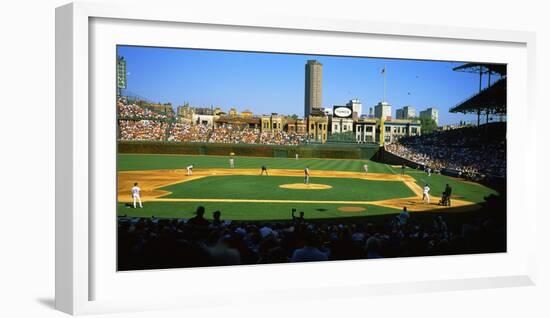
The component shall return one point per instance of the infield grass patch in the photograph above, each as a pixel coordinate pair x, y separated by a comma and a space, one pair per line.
267, 188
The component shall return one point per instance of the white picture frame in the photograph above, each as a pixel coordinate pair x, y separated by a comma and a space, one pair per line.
77, 250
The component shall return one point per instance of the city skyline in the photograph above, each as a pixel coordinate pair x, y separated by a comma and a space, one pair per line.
274, 82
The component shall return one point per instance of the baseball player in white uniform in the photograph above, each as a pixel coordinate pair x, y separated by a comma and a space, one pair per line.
296, 156
306, 175
231, 163
366, 167
189, 170
136, 191
425, 195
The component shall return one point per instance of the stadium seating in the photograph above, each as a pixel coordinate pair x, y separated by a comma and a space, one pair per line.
473, 151
147, 243
137, 123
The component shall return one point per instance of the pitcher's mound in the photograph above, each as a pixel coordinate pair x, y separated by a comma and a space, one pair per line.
303, 186
351, 209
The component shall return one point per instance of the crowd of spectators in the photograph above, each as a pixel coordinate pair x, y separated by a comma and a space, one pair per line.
144, 129
133, 111
188, 133
473, 151
137, 123
234, 135
279, 137
146, 243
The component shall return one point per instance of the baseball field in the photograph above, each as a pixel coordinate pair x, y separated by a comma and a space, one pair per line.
337, 188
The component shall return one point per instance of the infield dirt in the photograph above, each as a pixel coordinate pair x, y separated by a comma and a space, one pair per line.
304, 186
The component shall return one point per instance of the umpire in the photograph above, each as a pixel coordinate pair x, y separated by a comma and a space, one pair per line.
447, 194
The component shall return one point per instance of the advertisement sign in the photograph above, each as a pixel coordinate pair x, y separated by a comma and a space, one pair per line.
342, 111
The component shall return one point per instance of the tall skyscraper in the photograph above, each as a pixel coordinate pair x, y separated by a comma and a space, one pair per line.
314, 87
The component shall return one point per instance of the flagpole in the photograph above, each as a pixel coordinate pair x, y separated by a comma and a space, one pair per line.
385, 71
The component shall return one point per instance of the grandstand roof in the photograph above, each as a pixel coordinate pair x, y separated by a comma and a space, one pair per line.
485, 68
492, 98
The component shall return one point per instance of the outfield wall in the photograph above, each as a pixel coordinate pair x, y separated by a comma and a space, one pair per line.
333, 151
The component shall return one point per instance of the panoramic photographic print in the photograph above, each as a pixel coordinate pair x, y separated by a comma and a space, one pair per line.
242, 158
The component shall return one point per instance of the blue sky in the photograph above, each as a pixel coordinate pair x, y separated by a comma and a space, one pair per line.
268, 82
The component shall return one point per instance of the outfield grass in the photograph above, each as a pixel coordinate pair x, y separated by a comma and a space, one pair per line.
267, 187
130, 162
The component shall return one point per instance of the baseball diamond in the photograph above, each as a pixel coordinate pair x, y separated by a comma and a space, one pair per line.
337, 183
